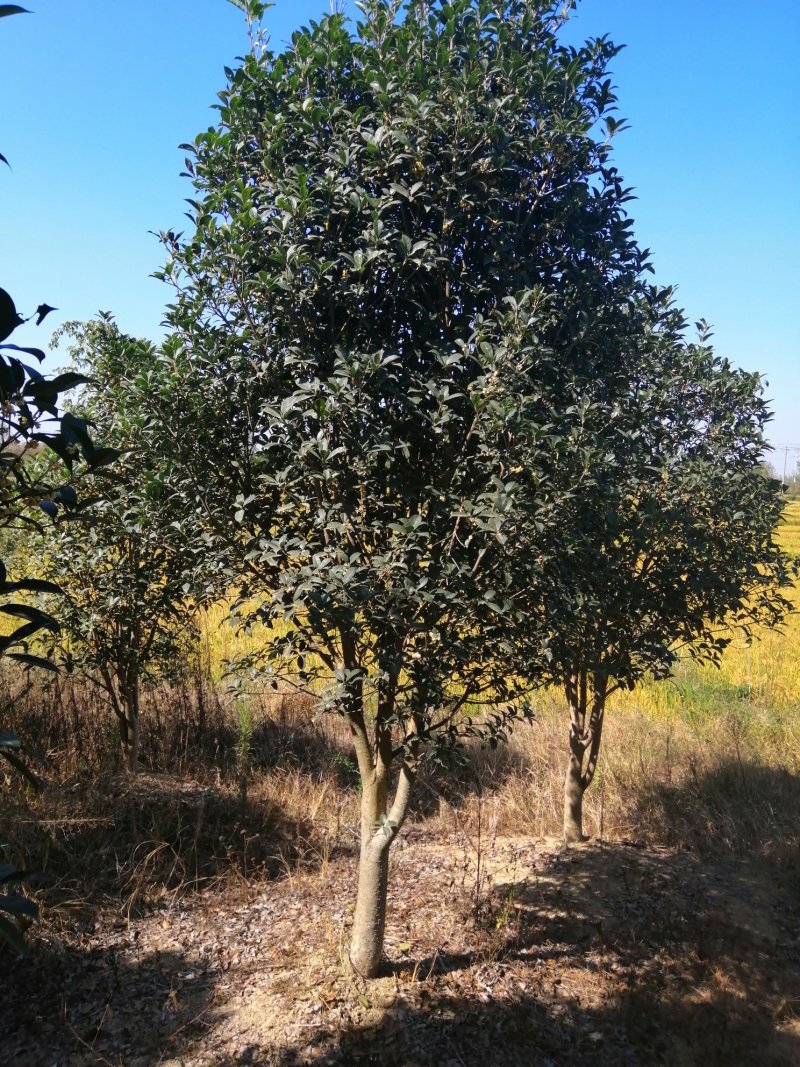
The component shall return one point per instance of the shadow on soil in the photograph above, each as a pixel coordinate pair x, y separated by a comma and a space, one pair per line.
603, 955
108, 837
131, 843
615, 954
102, 1007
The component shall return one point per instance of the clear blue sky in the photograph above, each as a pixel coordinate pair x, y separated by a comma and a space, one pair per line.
97, 95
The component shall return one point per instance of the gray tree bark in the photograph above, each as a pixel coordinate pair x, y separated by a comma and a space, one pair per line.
369, 919
379, 822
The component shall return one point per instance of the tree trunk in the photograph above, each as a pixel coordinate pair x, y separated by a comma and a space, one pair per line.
380, 823
378, 831
369, 920
585, 733
131, 748
130, 728
573, 801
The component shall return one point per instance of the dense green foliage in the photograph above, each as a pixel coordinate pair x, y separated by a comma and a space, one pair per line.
406, 306
407, 245
673, 542
123, 563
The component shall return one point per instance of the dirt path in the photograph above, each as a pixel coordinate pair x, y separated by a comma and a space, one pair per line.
604, 954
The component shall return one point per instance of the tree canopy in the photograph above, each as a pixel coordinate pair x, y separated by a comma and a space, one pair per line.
672, 545
409, 259
125, 566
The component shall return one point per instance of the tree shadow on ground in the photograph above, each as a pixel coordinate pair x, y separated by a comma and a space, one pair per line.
738, 808
135, 842
108, 1004
602, 955
295, 743
457, 775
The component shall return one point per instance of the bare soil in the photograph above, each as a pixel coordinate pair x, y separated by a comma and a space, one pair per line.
600, 954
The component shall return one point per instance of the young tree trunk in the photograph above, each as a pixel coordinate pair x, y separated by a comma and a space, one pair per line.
379, 822
132, 748
130, 729
378, 831
585, 733
369, 919
573, 800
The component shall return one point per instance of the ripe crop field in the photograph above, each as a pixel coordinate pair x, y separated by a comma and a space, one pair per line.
760, 678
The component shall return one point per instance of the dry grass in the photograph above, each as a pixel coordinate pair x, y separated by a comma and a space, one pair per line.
194, 817
726, 786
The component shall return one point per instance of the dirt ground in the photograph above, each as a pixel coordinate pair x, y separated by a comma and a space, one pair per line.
601, 954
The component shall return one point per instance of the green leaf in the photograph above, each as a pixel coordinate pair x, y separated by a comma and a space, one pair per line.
29, 585
40, 618
37, 353
11, 934
20, 766
14, 904
9, 740
42, 311
9, 318
28, 660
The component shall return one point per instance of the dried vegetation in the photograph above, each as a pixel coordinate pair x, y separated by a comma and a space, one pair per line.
198, 914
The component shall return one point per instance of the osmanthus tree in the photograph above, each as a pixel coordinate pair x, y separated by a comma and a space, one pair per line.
408, 241
673, 545
125, 568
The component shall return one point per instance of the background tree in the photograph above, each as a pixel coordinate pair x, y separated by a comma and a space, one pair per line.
122, 567
407, 244
672, 544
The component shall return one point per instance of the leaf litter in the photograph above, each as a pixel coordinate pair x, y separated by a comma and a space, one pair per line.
599, 954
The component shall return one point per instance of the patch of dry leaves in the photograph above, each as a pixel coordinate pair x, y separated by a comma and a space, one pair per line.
601, 954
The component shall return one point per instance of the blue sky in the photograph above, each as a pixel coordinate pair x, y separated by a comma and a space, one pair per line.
97, 96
